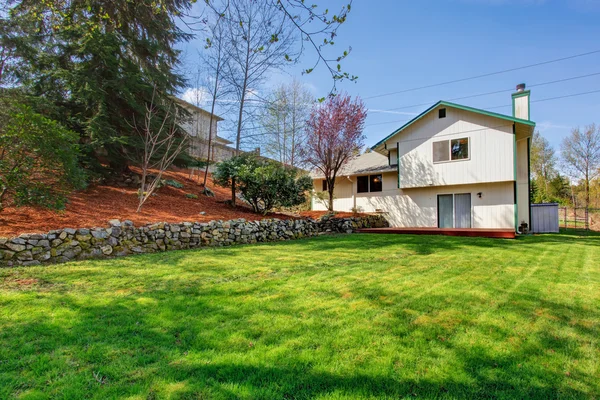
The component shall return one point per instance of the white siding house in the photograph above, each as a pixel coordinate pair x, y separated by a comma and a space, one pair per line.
450, 167
197, 127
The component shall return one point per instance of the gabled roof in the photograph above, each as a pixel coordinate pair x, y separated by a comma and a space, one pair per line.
196, 108
460, 107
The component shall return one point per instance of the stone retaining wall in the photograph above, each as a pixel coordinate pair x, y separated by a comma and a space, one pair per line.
122, 238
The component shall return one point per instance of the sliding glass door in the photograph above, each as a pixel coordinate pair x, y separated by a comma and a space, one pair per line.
462, 210
445, 211
454, 210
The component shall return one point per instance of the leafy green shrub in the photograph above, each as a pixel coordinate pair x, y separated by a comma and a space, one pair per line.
191, 196
263, 183
174, 183
39, 158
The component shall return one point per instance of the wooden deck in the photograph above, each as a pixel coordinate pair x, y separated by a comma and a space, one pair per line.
472, 232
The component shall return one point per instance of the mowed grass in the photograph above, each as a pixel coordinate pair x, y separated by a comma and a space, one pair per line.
335, 317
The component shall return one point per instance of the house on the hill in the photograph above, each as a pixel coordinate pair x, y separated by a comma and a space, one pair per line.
452, 166
197, 126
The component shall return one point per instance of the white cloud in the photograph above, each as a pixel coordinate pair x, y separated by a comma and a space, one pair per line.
549, 125
196, 96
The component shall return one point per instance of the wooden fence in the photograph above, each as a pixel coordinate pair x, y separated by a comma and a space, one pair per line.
574, 217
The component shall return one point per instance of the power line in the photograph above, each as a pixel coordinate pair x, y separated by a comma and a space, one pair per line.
548, 99
505, 105
389, 122
496, 91
484, 75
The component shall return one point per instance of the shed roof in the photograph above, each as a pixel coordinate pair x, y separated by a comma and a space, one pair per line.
366, 163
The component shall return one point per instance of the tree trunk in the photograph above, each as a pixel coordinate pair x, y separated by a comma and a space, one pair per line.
142, 190
212, 112
330, 190
587, 189
233, 191
2, 193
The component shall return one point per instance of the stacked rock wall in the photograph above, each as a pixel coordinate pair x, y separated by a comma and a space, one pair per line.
123, 238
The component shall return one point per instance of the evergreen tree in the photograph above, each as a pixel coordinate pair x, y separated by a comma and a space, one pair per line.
97, 64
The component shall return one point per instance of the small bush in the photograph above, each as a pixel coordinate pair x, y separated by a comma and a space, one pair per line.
264, 184
191, 196
174, 183
39, 158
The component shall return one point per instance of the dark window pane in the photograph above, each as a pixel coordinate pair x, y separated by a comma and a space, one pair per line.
362, 184
442, 113
460, 149
324, 185
376, 184
441, 151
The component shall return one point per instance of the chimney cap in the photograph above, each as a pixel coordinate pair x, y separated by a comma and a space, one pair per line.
521, 87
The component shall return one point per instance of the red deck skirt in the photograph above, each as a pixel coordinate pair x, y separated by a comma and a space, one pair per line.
471, 232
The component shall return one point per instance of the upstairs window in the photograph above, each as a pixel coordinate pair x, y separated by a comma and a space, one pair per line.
324, 185
362, 184
442, 113
440, 151
459, 149
451, 150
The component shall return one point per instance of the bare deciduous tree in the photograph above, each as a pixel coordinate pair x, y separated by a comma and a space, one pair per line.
161, 144
284, 122
260, 40
313, 26
216, 59
581, 156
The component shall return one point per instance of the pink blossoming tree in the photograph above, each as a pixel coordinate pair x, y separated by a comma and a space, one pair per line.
334, 137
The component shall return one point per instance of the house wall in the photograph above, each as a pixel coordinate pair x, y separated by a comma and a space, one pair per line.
343, 200
198, 148
491, 147
522, 182
417, 207
197, 125
393, 156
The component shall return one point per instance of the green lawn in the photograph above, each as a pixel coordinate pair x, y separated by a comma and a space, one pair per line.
336, 317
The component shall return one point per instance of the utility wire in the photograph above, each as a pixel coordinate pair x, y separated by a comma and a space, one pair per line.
483, 75
505, 105
548, 99
496, 91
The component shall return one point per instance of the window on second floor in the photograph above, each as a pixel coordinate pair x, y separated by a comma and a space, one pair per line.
324, 185
451, 150
459, 149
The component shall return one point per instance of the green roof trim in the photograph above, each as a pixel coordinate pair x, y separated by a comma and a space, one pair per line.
460, 107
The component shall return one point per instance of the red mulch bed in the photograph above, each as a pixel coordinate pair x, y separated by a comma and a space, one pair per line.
97, 205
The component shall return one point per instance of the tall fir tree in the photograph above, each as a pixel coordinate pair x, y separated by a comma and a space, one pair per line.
97, 63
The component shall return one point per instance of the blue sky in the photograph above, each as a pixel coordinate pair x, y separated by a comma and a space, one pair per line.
398, 45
